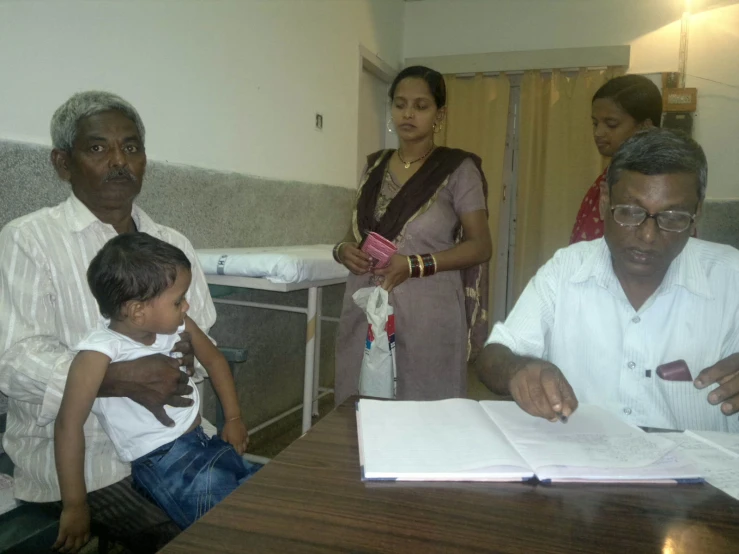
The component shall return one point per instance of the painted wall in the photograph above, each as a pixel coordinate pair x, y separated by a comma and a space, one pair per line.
443, 27
650, 27
224, 84
713, 68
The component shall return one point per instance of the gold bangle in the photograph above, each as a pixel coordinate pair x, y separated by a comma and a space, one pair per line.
420, 265
436, 266
234, 418
410, 267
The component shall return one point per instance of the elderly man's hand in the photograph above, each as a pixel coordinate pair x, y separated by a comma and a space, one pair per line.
726, 373
152, 381
541, 390
184, 347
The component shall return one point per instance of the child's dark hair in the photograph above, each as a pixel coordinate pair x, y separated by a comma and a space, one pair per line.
636, 95
133, 266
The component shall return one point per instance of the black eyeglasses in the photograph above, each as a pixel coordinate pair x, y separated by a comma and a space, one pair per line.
670, 220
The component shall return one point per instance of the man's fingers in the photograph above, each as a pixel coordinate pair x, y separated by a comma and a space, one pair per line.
187, 360
717, 371
731, 407
182, 389
183, 345
529, 398
161, 415
520, 394
174, 363
569, 400
178, 402
729, 388
541, 401
550, 384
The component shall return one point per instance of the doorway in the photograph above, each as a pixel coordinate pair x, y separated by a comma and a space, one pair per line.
374, 107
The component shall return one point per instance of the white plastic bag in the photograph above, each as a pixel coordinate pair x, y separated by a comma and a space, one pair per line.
378, 375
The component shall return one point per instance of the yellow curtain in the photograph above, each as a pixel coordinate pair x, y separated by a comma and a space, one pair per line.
557, 163
477, 121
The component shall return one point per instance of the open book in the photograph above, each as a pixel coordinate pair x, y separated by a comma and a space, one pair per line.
465, 440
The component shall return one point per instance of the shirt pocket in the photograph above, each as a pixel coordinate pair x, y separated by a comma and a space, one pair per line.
680, 405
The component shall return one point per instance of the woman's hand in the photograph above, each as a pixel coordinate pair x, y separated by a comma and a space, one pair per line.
353, 258
395, 273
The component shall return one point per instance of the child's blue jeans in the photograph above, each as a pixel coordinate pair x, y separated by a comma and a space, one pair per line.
189, 476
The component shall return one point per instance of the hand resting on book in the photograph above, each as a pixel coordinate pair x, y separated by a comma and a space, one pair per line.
541, 390
537, 386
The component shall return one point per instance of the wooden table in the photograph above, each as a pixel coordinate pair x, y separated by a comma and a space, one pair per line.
310, 499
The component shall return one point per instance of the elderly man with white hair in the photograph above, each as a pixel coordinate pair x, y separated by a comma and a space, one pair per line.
46, 308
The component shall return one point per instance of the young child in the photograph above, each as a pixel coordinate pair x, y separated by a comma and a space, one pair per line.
140, 284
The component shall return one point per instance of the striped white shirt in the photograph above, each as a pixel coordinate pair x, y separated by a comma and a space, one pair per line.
575, 314
46, 308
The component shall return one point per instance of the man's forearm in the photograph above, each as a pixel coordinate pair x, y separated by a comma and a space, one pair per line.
496, 366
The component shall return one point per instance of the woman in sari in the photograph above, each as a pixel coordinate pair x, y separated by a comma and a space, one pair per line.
621, 107
431, 203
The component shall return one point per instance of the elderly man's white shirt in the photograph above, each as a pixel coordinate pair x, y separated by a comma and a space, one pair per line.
46, 308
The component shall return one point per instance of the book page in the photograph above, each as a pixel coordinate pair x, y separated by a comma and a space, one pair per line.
592, 438
669, 468
719, 468
726, 442
431, 440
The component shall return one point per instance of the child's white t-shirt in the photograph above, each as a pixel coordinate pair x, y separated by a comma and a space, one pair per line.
132, 428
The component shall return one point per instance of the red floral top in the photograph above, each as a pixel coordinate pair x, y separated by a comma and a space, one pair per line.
589, 225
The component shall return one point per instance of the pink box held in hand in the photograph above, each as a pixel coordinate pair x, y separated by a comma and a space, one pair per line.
379, 249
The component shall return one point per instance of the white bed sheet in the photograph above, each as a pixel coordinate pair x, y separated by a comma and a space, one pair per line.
278, 264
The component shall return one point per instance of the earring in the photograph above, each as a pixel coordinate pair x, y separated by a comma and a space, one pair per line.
437, 127
390, 127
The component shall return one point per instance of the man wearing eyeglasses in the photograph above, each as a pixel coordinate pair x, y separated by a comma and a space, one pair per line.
643, 322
